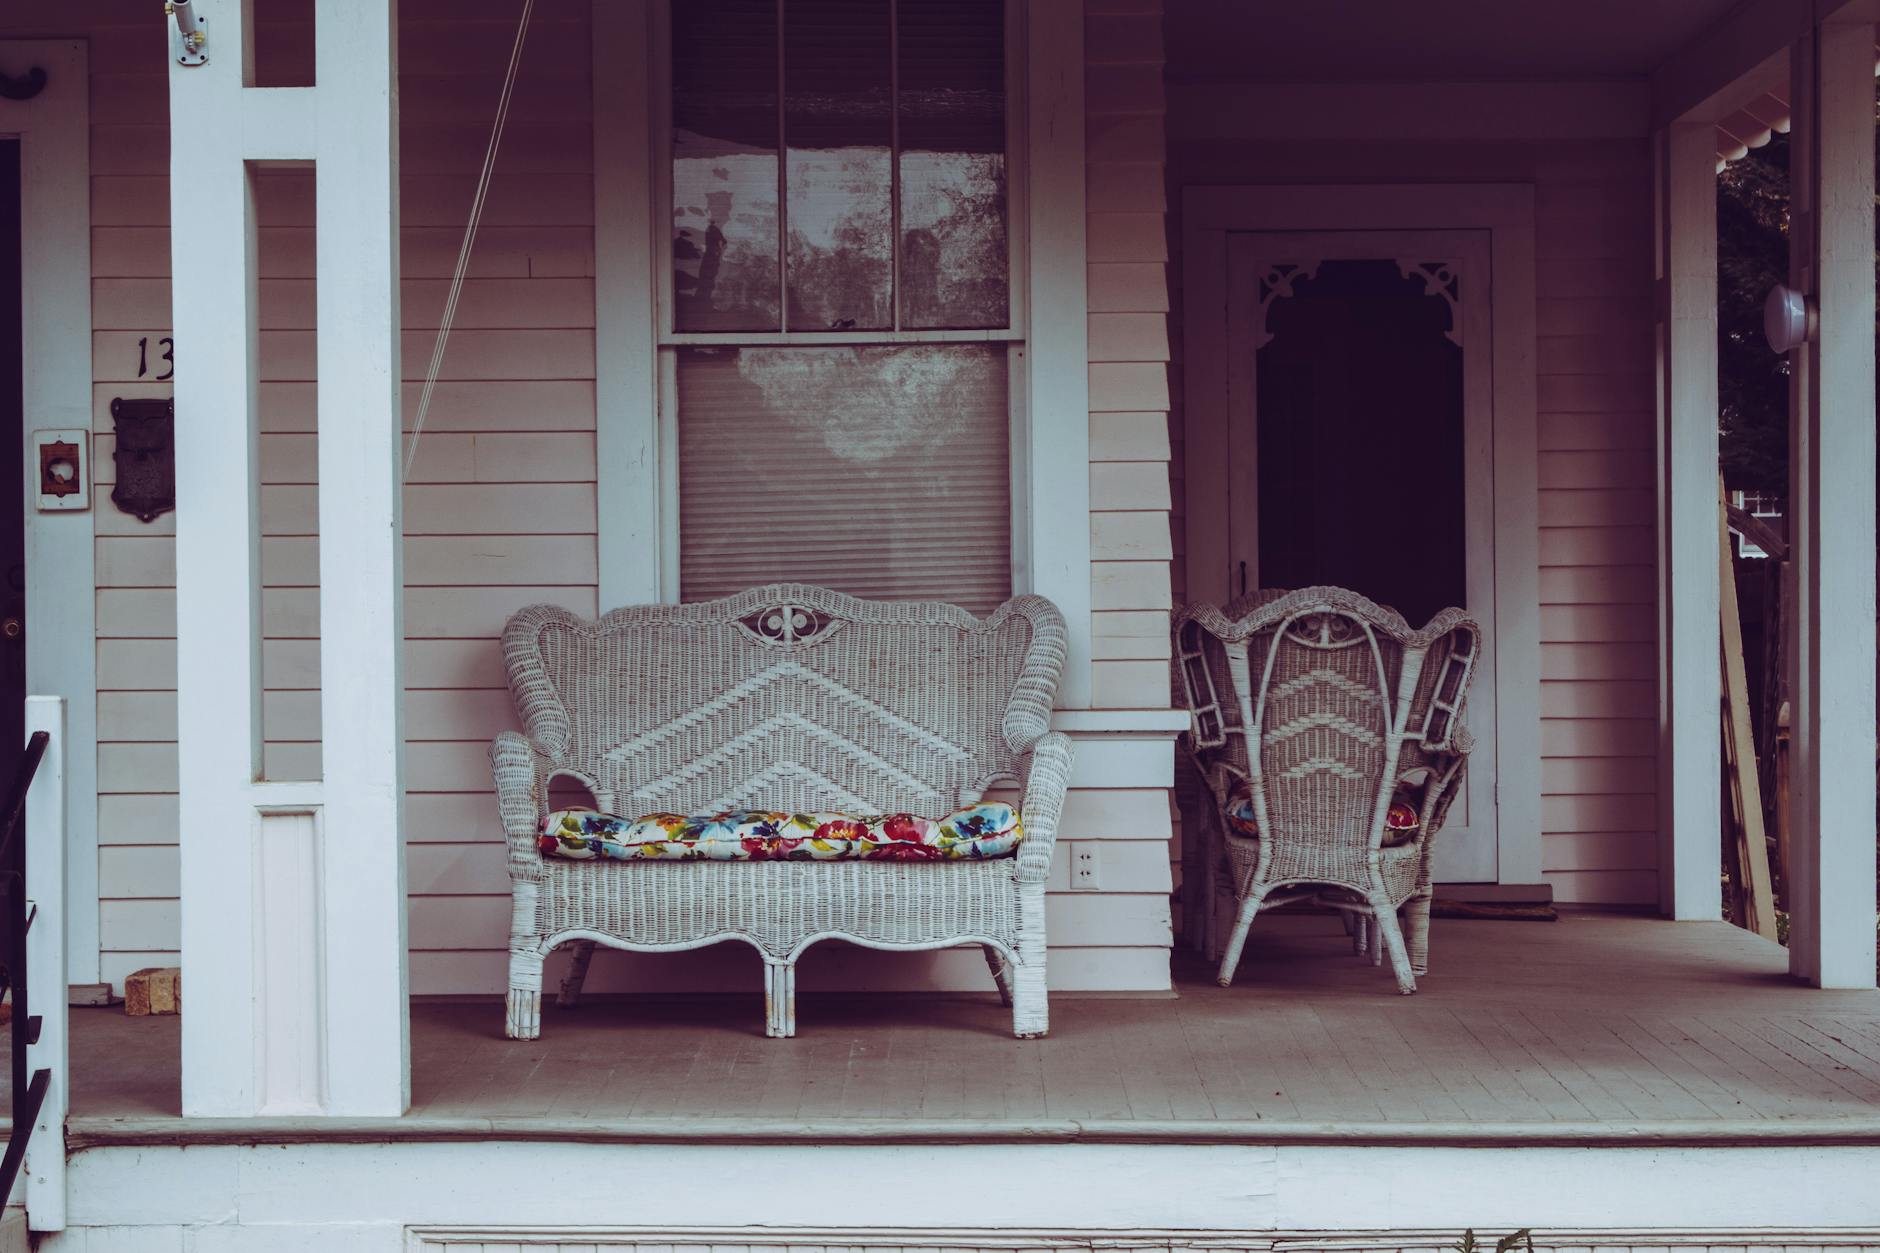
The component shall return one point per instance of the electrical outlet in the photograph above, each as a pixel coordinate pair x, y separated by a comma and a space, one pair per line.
1085, 876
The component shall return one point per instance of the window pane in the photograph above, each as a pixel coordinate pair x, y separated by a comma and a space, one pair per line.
838, 128
879, 471
724, 166
952, 128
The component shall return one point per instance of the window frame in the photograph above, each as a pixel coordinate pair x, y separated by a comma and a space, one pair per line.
1048, 366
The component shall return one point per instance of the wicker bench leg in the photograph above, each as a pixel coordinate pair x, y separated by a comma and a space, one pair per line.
1001, 972
524, 1009
1416, 931
780, 1000
577, 974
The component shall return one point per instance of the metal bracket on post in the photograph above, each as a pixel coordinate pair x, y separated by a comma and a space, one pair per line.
187, 36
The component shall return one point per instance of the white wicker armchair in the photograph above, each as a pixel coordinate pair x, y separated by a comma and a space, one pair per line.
794, 698
1352, 711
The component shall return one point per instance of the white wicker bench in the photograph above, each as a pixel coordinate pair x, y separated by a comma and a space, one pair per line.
793, 698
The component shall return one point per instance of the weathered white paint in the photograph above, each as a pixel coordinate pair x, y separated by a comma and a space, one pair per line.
362, 629
1218, 1189
217, 576
626, 383
1831, 457
47, 829
1506, 212
1057, 386
1690, 797
360, 1006
290, 1008
55, 267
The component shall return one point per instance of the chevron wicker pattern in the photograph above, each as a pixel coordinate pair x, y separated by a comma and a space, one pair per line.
1320, 703
785, 697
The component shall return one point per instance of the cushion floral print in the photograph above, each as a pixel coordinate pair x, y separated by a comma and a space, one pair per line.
1400, 822
977, 831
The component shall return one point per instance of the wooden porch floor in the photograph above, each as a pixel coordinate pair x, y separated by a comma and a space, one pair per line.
1592, 1027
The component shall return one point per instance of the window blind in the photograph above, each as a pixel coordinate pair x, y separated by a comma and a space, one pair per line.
882, 471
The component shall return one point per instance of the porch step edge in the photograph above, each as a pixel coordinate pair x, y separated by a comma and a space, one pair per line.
98, 1133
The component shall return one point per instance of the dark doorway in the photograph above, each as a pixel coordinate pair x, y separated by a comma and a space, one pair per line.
1360, 399
12, 467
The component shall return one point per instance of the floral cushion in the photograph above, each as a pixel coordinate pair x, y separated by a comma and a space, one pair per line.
978, 831
1400, 822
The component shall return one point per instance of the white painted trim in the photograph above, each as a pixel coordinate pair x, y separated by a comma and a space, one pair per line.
47, 977
1506, 211
362, 1010
1215, 1189
626, 387
1120, 721
1832, 448
213, 299
61, 602
1057, 384
1690, 755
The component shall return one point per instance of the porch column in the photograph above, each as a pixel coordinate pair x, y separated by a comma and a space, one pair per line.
1832, 504
292, 893
1690, 802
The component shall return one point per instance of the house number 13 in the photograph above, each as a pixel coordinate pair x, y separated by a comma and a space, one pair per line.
168, 359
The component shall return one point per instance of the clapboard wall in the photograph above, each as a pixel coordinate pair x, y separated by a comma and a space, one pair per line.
500, 504
1596, 403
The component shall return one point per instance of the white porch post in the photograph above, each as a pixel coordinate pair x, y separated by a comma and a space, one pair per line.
1832, 507
1691, 689
292, 893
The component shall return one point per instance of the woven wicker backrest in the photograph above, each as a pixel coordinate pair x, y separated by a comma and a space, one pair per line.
1336, 691
788, 697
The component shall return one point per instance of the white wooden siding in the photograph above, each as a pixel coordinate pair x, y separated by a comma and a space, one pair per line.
1594, 311
501, 504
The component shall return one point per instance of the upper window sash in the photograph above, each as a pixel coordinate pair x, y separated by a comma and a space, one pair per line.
1016, 215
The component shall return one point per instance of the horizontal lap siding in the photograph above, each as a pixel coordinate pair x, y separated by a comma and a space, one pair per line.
1132, 544
500, 505
1597, 579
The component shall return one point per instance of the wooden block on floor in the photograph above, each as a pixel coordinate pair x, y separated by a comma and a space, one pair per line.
154, 990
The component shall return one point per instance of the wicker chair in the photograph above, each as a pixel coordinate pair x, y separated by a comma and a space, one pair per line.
794, 698
1353, 713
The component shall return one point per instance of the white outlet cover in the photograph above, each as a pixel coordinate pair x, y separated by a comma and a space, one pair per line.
61, 458
1085, 867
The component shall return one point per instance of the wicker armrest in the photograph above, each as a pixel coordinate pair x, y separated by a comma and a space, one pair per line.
521, 772
1047, 780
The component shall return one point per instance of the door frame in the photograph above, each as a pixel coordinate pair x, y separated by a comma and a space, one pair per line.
1463, 855
1506, 212
54, 130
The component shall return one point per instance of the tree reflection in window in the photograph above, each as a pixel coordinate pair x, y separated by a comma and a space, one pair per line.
851, 75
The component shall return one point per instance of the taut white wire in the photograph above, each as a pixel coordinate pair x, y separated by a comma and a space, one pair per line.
469, 237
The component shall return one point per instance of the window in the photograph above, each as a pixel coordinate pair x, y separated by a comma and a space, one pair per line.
839, 335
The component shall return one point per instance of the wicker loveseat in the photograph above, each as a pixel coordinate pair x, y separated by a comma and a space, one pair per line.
1330, 736
789, 698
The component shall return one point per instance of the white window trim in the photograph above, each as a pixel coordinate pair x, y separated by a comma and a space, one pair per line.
636, 431
61, 648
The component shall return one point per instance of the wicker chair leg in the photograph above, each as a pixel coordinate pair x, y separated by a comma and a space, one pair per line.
571, 983
1346, 921
1237, 941
1416, 932
1377, 945
1360, 934
1031, 1004
780, 1000
523, 1016
1001, 973
1385, 920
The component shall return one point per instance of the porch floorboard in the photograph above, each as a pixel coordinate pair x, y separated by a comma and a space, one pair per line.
1591, 1029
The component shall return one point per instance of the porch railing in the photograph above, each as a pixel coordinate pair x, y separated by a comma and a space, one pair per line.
28, 1089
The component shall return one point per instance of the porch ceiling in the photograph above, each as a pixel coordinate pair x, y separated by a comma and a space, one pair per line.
1440, 40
